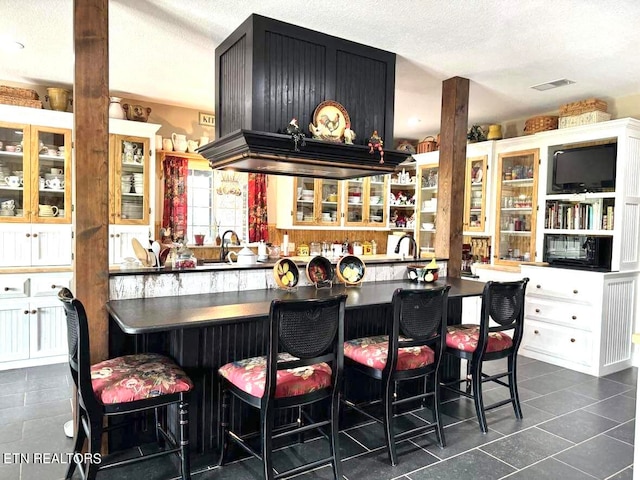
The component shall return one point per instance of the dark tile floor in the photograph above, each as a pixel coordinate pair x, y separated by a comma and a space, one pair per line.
575, 427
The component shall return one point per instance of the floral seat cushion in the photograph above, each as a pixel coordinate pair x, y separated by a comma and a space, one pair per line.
465, 337
249, 376
137, 377
373, 351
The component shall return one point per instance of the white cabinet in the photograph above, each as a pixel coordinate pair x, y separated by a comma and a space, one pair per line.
25, 245
32, 321
120, 237
579, 320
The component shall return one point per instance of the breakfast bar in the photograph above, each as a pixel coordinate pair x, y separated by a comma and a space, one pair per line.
203, 332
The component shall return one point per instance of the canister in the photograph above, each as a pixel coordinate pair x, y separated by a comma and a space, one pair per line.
303, 250
367, 248
315, 248
357, 248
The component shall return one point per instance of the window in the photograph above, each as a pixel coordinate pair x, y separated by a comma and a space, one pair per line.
217, 201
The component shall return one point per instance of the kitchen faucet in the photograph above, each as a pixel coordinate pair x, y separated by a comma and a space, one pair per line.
223, 250
413, 243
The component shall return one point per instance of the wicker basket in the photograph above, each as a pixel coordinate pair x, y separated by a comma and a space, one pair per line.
429, 144
583, 106
540, 123
26, 93
21, 102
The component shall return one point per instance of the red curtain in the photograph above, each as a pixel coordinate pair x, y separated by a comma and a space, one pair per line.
174, 214
258, 207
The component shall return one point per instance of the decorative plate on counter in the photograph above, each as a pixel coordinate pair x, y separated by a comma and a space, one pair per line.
320, 271
351, 270
286, 273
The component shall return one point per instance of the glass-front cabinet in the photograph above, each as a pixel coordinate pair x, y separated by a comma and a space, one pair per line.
130, 159
317, 202
428, 207
475, 194
516, 202
366, 201
35, 174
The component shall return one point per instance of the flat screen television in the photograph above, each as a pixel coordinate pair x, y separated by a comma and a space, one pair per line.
584, 169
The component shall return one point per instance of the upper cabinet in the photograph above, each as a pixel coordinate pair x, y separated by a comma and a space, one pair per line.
475, 194
402, 199
427, 202
366, 202
516, 206
316, 202
35, 174
129, 182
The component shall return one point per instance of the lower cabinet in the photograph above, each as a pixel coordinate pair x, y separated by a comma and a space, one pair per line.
32, 321
579, 320
35, 245
120, 237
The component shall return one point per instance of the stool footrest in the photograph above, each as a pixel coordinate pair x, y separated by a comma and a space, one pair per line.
304, 468
498, 404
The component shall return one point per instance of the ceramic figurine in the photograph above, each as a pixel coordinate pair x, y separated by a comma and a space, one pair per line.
349, 135
296, 134
375, 143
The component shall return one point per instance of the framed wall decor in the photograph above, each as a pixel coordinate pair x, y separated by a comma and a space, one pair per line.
207, 119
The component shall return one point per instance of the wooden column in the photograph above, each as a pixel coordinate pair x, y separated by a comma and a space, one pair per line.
453, 153
91, 130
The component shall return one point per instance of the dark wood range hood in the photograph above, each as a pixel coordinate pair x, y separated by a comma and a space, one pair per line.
268, 72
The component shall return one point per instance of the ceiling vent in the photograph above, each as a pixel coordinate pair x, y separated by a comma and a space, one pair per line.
555, 84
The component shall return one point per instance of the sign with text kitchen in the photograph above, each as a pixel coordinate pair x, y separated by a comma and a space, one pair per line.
207, 119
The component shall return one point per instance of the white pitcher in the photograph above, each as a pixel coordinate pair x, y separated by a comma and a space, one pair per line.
191, 146
179, 142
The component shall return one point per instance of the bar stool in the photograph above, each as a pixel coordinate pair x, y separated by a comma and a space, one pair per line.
412, 350
119, 386
502, 303
303, 365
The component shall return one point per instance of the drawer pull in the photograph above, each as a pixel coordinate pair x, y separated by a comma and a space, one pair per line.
28, 235
538, 286
573, 317
575, 291
573, 340
26, 312
6, 289
33, 312
536, 332
35, 235
537, 310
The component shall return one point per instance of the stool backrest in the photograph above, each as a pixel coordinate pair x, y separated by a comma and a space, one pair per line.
78, 342
311, 330
502, 302
421, 316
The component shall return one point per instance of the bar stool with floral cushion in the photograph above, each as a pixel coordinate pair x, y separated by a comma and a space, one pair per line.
303, 365
412, 350
119, 386
502, 311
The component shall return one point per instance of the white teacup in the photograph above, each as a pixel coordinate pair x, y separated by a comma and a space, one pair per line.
13, 181
8, 204
48, 210
54, 183
56, 171
41, 183
8, 207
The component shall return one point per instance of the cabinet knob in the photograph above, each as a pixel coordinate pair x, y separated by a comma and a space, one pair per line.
538, 286
28, 235
573, 340
575, 291
573, 317
26, 312
536, 332
35, 235
6, 289
33, 312
112, 235
117, 235
537, 310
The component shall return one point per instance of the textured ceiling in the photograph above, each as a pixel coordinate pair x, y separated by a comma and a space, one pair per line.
163, 50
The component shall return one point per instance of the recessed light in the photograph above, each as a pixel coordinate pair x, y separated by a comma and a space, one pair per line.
555, 84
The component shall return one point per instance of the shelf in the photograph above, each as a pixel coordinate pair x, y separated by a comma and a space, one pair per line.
306, 201
11, 154
133, 164
409, 229
51, 190
7, 187
56, 158
432, 212
404, 185
519, 182
581, 231
133, 194
521, 210
429, 189
326, 202
402, 206
479, 209
520, 233
579, 197
428, 230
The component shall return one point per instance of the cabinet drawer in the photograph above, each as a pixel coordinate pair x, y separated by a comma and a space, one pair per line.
568, 314
49, 285
582, 287
14, 286
561, 342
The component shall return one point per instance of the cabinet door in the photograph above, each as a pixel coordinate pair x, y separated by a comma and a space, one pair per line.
428, 205
402, 201
51, 244
376, 201
120, 242
475, 198
304, 201
15, 245
516, 202
355, 191
15, 202
130, 160
47, 329
50, 181
328, 202
14, 330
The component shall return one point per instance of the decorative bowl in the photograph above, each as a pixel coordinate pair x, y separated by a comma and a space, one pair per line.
430, 275
350, 270
319, 270
286, 273
415, 272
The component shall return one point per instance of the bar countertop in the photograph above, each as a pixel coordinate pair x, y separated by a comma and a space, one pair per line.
146, 315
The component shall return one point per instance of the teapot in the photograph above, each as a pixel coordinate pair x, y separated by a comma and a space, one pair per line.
243, 257
263, 251
179, 142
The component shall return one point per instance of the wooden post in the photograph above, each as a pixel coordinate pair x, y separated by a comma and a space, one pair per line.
91, 144
453, 153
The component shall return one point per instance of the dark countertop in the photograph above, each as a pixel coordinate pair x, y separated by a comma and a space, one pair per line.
168, 313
